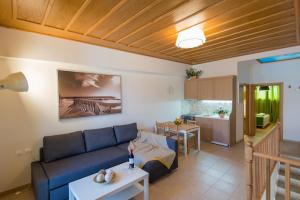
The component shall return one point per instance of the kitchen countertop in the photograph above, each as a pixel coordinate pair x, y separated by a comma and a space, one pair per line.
226, 117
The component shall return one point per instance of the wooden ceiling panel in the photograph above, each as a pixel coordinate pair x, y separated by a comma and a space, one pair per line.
94, 12
185, 11
31, 11
290, 30
297, 17
231, 16
205, 15
256, 48
5, 9
127, 13
245, 31
150, 27
162, 8
62, 12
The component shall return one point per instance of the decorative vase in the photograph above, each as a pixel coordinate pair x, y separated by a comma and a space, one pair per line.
192, 77
221, 115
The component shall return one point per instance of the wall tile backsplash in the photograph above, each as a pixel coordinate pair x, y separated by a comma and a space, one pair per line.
204, 107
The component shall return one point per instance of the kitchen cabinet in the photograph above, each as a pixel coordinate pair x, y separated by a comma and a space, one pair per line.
205, 89
223, 88
221, 131
191, 89
218, 88
214, 130
206, 127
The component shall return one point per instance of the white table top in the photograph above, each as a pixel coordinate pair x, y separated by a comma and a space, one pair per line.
86, 188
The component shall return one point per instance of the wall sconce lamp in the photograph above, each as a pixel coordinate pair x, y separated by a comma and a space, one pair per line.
16, 82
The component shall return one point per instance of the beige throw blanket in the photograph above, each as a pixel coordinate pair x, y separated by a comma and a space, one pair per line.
150, 146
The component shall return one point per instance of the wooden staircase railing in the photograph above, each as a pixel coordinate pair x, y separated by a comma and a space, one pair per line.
262, 154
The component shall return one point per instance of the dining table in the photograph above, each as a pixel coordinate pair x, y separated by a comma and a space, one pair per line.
184, 129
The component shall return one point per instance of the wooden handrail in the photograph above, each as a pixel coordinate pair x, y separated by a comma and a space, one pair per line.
260, 167
292, 162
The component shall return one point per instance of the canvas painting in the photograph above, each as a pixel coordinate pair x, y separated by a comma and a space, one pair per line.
88, 94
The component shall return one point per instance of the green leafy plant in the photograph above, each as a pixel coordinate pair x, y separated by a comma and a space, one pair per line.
221, 110
191, 72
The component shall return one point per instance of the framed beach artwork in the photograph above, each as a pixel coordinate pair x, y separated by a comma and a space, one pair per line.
88, 94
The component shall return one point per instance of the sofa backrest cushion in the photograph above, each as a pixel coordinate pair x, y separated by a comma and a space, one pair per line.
126, 133
60, 146
99, 138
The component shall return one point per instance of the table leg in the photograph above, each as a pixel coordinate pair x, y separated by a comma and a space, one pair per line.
146, 188
199, 139
185, 143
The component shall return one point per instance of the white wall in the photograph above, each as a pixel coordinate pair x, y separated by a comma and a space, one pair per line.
287, 72
26, 117
231, 67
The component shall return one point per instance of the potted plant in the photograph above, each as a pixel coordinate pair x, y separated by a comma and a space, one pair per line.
221, 112
192, 73
178, 122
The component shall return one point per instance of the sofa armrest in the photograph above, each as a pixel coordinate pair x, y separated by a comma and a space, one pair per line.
173, 144
39, 181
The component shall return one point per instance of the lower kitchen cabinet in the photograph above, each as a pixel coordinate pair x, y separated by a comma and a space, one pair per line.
206, 127
214, 130
221, 131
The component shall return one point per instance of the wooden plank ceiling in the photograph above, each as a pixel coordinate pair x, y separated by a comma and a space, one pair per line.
150, 27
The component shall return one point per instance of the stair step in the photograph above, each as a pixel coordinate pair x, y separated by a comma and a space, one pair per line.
280, 196
293, 175
294, 184
281, 193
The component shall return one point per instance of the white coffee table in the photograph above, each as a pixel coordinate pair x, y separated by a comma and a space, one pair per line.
124, 186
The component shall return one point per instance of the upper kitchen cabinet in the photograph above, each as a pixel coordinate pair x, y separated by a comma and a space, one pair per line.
223, 88
218, 88
191, 89
205, 89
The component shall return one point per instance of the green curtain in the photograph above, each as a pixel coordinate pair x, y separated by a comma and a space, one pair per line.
268, 102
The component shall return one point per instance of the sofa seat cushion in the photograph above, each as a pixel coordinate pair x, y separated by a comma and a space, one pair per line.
61, 146
99, 138
64, 171
126, 133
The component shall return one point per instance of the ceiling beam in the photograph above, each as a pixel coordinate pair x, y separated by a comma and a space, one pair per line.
170, 12
115, 8
297, 15
78, 13
148, 7
49, 7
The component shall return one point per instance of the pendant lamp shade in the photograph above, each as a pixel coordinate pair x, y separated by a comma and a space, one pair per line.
16, 82
190, 38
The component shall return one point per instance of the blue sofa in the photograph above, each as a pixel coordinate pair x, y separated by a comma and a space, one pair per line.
69, 157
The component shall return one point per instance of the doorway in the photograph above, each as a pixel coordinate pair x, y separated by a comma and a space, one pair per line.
262, 107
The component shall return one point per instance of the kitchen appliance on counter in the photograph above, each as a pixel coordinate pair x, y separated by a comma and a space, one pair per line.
188, 117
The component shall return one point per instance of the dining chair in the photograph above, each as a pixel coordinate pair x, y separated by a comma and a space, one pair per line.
192, 137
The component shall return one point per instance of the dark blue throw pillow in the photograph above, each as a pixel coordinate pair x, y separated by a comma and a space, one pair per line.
99, 138
60, 146
126, 133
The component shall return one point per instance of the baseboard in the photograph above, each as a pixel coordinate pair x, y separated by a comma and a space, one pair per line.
22, 187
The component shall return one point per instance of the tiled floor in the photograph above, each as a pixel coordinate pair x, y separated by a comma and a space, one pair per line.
216, 173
